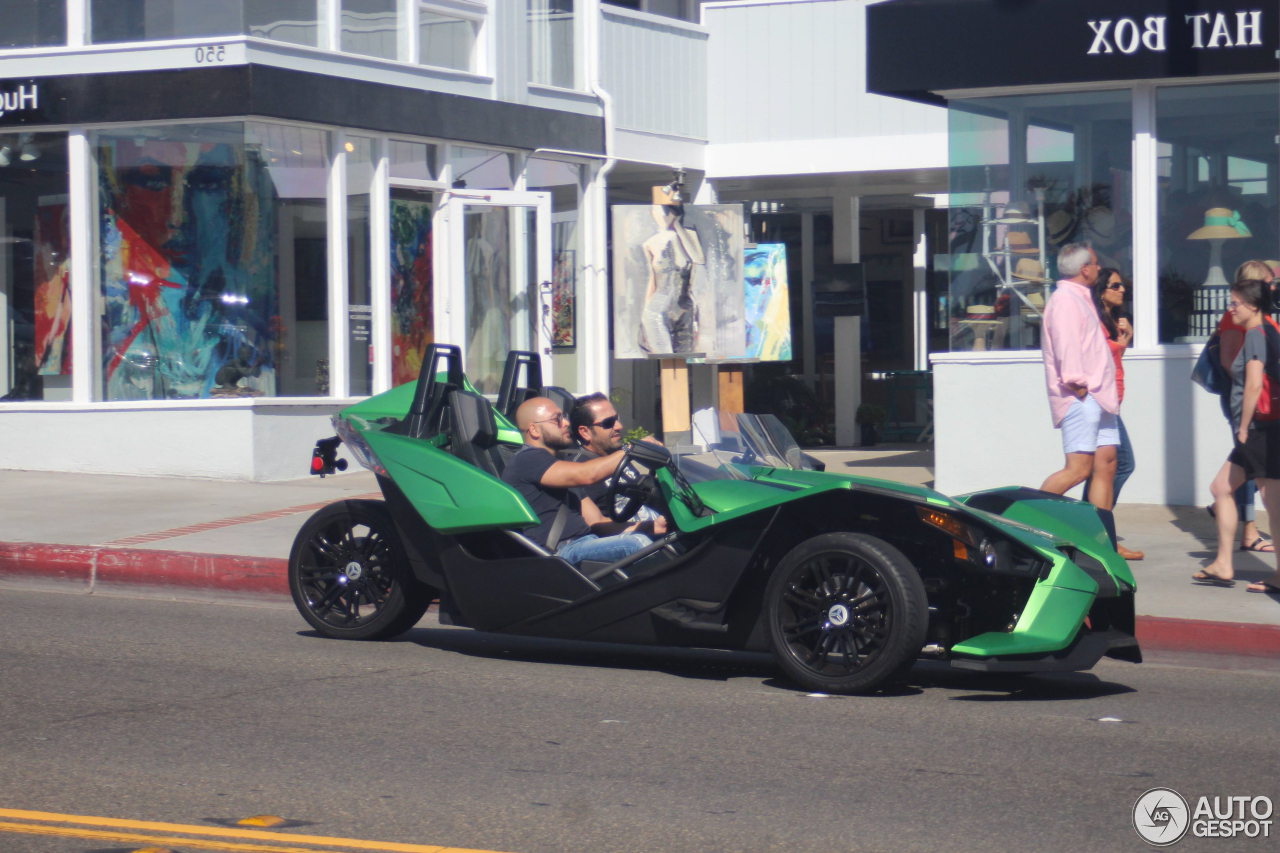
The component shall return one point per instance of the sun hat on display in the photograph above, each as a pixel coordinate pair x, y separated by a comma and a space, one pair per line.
1029, 269
1222, 224
1015, 214
1101, 223
1020, 244
1059, 226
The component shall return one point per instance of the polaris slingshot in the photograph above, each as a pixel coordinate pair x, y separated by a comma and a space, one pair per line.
846, 580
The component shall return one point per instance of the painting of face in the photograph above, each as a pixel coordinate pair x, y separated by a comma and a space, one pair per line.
188, 237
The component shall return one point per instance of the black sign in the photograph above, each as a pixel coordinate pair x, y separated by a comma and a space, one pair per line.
20, 102
285, 93
918, 47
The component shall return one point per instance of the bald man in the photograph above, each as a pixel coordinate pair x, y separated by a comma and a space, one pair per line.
547, 484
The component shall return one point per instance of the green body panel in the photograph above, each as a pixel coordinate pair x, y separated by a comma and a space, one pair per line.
1073, 522
1048, 623
730, 499
389, 404
451, 495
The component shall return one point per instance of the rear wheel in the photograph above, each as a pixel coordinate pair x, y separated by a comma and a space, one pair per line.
847, 613
349, 575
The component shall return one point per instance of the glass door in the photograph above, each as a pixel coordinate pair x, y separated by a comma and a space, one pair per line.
500, 280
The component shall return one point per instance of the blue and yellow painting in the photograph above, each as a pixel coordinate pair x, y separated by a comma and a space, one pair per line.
768, 302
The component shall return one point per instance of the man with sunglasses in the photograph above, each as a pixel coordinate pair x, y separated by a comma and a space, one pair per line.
572, 529
598, 430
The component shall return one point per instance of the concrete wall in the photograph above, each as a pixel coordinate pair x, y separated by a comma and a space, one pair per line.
784, 71
231, 442
656, 70
991, 416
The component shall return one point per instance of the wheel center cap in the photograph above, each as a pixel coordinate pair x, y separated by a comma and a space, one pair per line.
838, 615
354, 570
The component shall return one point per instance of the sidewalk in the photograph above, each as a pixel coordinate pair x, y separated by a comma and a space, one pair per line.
96, 530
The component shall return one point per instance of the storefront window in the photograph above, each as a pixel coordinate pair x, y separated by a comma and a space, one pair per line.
372, 27
213, 271
35, 287
33, 23
1218, 197
562, 180
1029, 174
296, 21
360, 167
447, 39
414, 160
480, 168
551, 43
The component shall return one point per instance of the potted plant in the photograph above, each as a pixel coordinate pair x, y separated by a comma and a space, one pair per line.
869, 416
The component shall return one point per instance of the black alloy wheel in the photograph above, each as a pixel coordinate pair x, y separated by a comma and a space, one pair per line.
349, 576
847, 613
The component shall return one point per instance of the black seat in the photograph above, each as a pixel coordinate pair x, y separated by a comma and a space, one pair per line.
473, 432
512, 391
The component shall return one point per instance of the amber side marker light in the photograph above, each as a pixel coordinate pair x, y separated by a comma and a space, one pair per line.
948, 524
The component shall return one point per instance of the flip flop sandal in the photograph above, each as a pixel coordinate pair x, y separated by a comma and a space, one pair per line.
1264, 586
1261, 545
1206, 579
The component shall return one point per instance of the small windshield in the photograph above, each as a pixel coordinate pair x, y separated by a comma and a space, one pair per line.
725, 445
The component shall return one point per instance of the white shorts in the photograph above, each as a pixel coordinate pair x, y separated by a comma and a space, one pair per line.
1086, 427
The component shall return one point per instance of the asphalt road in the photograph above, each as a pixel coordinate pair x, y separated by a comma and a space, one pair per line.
195, 712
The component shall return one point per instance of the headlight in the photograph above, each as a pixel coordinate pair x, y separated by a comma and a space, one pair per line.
359, 448
972, 545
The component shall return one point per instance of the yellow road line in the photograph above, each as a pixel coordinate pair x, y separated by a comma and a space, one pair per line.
210, 831
135, 838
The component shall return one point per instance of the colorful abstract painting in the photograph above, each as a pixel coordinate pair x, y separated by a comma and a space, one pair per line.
767, 302
563, 287
188, 267
412, 321
52, 249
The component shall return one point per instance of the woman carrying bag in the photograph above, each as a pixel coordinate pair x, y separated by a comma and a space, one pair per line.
1257, 439
1212, 373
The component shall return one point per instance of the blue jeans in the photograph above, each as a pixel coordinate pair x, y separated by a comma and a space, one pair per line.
1124, 464
610, 549
1244, 501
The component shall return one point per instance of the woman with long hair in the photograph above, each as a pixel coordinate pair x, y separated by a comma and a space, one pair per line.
1108, 297
1257, 444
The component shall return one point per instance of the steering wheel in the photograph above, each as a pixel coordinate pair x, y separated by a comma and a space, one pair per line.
636, 492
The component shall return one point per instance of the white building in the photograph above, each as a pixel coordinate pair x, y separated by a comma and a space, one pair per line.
481, 143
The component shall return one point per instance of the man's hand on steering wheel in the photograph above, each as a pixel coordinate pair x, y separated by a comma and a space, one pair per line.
636, 492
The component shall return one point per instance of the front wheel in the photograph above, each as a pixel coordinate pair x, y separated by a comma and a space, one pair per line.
847, 613
349, 576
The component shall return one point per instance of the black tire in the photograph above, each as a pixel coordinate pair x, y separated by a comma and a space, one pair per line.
875, 636
349, 575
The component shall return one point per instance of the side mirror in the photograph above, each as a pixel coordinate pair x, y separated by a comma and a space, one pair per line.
648, 454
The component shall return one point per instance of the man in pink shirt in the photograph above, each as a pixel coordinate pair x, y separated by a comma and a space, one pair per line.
1081, 377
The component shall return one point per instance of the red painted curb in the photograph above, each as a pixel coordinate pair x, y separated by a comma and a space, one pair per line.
1159, 633
87, 564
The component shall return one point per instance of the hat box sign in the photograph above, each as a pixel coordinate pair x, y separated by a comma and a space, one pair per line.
24, 98
1208, 31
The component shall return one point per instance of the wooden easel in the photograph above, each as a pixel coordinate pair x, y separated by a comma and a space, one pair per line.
675, 396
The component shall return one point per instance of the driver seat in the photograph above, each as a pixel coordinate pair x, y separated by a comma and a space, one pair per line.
511, 392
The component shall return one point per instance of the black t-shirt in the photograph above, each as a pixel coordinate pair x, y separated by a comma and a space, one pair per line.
594, 491
524, 472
